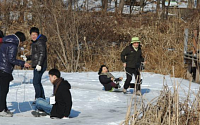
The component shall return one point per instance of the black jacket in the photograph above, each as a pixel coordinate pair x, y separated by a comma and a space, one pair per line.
38, 52
105, 81
8, 53
63, 98
131, 57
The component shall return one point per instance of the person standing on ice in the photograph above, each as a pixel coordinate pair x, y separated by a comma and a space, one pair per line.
8, 53
107, 79
38, 59
132, 59
60, 104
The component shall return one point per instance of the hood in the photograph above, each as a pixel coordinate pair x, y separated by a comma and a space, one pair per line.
66, 83
11, 39
42, 38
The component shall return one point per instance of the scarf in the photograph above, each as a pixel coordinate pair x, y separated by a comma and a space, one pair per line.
56, 84
109, 75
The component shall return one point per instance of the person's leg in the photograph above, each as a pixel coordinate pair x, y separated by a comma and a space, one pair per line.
42, 104
42, 89
137, 81
4, 88
129, 73
39, 91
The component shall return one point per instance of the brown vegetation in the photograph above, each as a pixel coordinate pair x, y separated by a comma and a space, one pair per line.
82, 41
166, 109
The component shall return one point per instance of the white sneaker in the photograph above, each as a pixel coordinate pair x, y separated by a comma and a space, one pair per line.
6, 114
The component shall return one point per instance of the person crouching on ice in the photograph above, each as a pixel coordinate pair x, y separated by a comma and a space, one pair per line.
60, 107
107, 79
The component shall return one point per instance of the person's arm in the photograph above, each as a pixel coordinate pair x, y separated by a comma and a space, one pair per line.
68, 102
123, 56
66, 95
42, 52
12, 53
104, 80
29, 57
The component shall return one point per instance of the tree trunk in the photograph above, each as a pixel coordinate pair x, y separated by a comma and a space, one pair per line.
198, 4
167, 8
190, 3
115, 6
158, 7
70, 4
163, 9
104, 5
121, 6
141, 5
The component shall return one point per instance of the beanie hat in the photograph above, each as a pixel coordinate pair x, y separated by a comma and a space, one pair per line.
34, 29
1, 34
21, 36
135, 40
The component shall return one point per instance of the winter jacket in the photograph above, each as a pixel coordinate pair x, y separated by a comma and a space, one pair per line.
63, 99
8, 53
131, 57
105, 80
1, 40
38, 52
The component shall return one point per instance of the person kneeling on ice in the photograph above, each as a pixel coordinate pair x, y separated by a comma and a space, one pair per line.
107, 79
60, 106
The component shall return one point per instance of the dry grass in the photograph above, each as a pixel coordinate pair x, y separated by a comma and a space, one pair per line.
166, 109
81, 41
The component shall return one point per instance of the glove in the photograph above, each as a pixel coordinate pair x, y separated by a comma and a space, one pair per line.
24, 57
38, 68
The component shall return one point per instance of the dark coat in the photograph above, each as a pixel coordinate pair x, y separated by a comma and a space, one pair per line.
8, 53
63, 99
105, 81
1, 40
38, 52
131, 57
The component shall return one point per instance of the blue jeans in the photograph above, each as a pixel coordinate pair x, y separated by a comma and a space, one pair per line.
43, 105
37, 77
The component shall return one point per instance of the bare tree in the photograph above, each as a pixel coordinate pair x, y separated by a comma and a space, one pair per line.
104, 5
163, 9
190, 3
121, 6
142, 3
158, 7
198, 4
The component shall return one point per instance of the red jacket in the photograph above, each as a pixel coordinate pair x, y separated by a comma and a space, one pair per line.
1, 40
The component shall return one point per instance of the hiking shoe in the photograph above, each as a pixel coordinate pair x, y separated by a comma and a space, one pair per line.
124, 91
138, 93
6, 113
38, 113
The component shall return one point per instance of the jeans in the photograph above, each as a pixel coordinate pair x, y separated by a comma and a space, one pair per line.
129, 74
5, 79
43, 105
37, 77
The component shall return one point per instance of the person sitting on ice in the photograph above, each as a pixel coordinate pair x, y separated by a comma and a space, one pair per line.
107, 79
61, 105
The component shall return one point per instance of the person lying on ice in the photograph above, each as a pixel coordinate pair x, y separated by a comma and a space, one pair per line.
60, 107
107, 79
